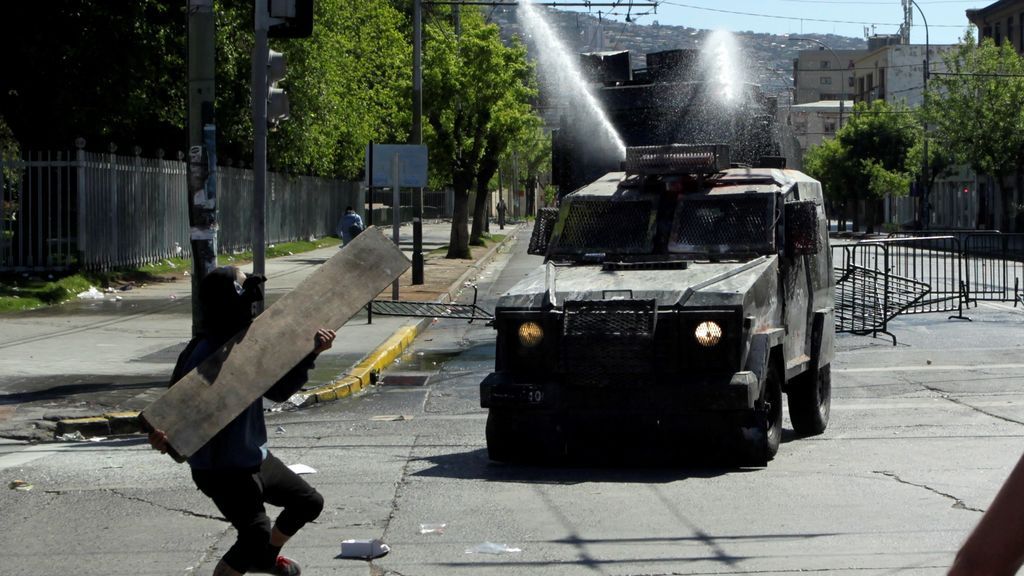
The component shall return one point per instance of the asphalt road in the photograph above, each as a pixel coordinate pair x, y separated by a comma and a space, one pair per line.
922, 434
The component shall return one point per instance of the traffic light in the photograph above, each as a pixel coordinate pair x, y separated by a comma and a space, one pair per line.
277, 98
290, 18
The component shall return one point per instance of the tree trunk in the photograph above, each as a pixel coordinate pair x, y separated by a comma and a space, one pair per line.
1018, 215
488, 167
1003, 222
458, 244
479, 213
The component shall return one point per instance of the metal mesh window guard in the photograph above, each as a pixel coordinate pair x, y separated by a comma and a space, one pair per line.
616, 227
721, 224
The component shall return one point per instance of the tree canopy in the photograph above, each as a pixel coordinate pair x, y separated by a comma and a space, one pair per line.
476, 93
117, 73
868, 158
977, 110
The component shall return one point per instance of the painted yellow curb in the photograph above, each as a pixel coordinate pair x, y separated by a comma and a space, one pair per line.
364, 373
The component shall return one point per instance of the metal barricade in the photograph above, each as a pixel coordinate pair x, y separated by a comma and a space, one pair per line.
935, 261
866, 300
994, 267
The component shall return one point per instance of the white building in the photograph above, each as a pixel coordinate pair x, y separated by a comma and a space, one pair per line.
895, 73
814, 122
821, 74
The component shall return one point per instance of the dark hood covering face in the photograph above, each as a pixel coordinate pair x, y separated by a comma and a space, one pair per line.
227, 305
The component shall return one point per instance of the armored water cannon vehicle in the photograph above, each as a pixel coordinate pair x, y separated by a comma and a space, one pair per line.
681, 295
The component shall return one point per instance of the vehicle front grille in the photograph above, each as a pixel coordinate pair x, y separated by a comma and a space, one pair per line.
604, 338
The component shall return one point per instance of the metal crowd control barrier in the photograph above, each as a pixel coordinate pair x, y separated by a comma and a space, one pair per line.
935, 261
994, 267
866, 300
876, 280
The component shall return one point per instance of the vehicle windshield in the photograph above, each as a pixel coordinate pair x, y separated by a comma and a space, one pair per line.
698, 226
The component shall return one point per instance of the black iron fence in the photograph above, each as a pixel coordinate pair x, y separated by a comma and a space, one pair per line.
103, 211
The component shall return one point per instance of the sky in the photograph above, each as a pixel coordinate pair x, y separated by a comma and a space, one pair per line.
946, 19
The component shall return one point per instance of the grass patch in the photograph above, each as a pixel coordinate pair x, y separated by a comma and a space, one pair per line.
28, 291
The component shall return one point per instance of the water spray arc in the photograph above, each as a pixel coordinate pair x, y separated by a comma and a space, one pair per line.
555, 61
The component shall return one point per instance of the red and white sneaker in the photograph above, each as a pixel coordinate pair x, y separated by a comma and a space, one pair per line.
286, 567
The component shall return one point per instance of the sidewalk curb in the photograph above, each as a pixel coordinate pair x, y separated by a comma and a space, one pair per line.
362, 375
366, 371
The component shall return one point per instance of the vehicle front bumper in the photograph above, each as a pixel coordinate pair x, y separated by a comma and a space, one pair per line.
629, 394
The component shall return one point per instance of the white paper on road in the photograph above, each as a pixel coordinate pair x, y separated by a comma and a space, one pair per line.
302, 469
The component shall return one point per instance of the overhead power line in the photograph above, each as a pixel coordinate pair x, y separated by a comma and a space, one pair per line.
797, 18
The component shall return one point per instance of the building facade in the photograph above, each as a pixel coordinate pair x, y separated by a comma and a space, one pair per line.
1002, 21
896, 73
814, 122
824, 74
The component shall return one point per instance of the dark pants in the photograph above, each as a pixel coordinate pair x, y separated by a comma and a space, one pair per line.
240, 494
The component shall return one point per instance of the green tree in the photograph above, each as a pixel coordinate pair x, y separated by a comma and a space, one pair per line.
116, 73
513, 125
828, 163
977, 108
474, 91
868, 157
111, 72
349, 84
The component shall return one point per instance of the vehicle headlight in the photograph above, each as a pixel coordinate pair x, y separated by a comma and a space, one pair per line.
708, 333
530, 334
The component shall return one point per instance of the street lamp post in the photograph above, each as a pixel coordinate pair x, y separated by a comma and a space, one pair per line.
839, 66
926, 196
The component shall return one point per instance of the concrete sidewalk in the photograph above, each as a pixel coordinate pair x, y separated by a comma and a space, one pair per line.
136, 337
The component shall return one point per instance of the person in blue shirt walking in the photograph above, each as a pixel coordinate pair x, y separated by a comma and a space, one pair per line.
235, 469
349, 226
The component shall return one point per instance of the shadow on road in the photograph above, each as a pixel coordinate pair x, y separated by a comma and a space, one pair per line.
475, 465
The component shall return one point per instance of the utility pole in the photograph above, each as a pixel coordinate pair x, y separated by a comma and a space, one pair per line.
202, 147
417, 138
926, 164
277, 19
260, 51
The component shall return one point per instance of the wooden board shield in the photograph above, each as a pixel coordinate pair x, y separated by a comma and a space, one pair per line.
206, 399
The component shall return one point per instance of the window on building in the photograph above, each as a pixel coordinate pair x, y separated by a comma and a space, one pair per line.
997, 34
830, 126
825, 80
1009, 30
986, 32
825, 64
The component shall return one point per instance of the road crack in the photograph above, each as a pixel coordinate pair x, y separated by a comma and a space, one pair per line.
957, 503
399, 487
948, 396
184, 511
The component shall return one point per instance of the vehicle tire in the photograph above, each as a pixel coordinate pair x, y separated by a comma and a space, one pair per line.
761, 442
810, 401
523, 439
773, 411
504, 442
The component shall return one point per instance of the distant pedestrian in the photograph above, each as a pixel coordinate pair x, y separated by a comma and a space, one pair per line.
501, 213
235, 469
349, 226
